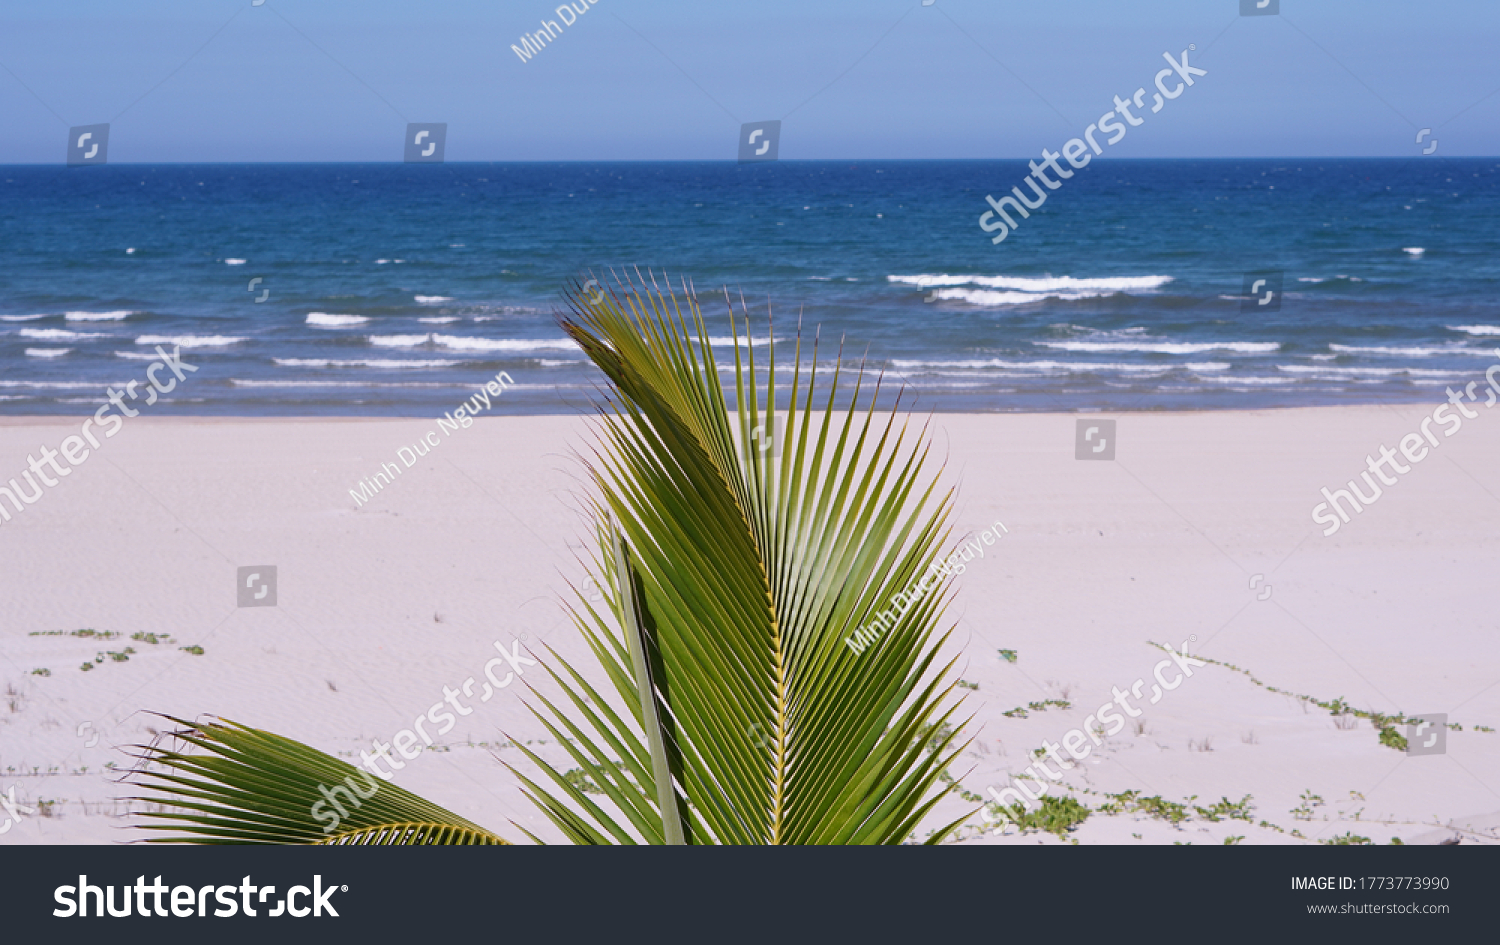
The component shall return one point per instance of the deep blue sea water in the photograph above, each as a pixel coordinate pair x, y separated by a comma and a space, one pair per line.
394, 288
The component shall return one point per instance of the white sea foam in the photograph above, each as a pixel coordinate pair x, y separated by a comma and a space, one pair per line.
504, 344
1207, 366
47, 352
441, 320
1165, 347
240, 382
190, 341
138, 356
399, 341
1050, 367
97, 316
727, 341
962, 386
1476, 329
1410, 352
22, 318
1329, 372
234, 262
1145, 372
48, 385
431, 299
1117, 333
57, 334
1414, 250
997, 297
1253, 381
327, 320
1036, 283
505, 310
377, 363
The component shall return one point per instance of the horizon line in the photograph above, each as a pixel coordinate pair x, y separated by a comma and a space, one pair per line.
1381, 157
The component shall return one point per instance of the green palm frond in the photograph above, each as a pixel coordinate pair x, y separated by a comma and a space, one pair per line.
745, 571
734, 574
249, 786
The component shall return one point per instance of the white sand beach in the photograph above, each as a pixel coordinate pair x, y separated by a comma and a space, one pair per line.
380, 607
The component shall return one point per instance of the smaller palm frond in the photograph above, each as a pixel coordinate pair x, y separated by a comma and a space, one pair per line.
245, 785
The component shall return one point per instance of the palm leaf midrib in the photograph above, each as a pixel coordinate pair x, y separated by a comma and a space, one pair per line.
683, 432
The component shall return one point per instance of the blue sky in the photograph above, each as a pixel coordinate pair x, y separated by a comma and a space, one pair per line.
673, 80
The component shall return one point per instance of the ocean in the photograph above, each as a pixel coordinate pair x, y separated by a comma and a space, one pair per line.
392, 289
